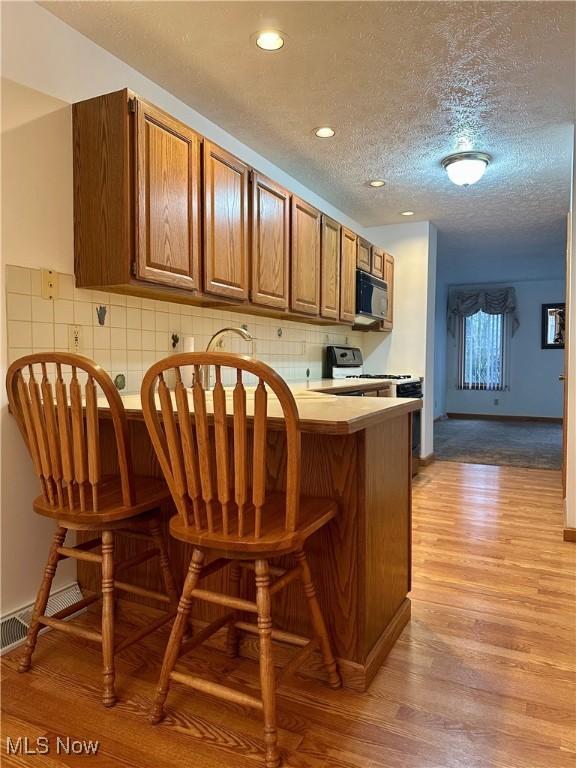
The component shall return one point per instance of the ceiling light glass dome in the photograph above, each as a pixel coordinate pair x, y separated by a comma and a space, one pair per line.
465, 168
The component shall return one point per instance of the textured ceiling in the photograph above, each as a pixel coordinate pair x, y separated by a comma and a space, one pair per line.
402, 83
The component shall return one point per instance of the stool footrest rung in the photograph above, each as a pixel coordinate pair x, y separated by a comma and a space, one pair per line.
205, 633
215, 689
79, 554
298, 659
277, 634
70, 629
141, 557
285, 579
141, 591
84, 603
147, 629
227, 600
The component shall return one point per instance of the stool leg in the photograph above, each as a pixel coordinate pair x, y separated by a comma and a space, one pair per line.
109, 697
232, 636
317, 619
42, 599
175, 640
267, 674
167, 575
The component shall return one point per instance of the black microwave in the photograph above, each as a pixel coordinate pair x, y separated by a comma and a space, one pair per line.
371, 299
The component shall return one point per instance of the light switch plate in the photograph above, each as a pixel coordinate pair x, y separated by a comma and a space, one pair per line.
74, 339
50, 284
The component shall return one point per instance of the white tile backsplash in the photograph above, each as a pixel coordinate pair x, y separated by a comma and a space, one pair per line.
137, 332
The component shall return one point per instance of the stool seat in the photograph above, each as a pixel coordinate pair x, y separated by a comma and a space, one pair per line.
149, 493
273, 541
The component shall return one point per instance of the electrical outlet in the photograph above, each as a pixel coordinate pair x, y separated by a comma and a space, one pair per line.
496, 401
50, 284
74, 339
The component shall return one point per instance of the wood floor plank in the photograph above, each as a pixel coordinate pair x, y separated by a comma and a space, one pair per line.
482, 677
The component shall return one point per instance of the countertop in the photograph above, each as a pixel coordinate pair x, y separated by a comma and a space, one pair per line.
320, 411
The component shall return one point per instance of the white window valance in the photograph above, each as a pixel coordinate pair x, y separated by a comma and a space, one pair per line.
492, 301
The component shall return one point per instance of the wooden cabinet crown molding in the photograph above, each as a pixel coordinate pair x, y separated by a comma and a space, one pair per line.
270, 243
225, 223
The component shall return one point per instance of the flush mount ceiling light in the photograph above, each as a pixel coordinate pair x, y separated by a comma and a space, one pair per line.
269, 40
325, 132
406, 213
465, 168
376, 183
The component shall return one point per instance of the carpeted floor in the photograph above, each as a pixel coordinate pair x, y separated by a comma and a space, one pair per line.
514, 443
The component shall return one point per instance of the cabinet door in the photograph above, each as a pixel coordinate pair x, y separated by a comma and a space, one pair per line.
305, 283
167, 205
348, 276
330, 269
225, 223
364, 255
389, 277
270, 221
378, 262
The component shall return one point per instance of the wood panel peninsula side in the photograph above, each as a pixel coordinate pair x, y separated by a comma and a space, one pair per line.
357, 450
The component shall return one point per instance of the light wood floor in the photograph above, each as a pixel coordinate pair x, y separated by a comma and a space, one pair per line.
482, 678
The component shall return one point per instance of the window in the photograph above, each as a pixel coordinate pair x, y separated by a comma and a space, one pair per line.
482, 360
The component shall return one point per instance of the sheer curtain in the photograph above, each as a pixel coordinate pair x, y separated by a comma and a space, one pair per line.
482, 355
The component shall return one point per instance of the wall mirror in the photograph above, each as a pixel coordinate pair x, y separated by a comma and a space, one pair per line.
553, 325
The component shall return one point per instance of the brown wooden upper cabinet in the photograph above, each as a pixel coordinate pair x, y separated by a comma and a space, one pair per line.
330, 269
305, 261
378, 262
167, 199
364, 255
225, 223
136, 195
270, 239
348, 276
388, 323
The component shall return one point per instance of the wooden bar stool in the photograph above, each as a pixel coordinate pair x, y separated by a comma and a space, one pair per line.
215, 467
60, 427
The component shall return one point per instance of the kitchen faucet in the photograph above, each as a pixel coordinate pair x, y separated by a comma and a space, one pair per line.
215, 341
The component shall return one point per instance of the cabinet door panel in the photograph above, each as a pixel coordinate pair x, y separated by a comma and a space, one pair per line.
348, 276
389, 277
167, 209
225, 223
364, 255
378, 262
330, 268
270, 243
305, 283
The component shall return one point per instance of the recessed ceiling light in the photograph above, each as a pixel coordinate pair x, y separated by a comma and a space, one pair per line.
465, 168
406, 213
376, 183
269, 40
325, 132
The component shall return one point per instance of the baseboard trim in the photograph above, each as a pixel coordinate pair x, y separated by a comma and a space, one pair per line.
569, 534
499, 417
426, 460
